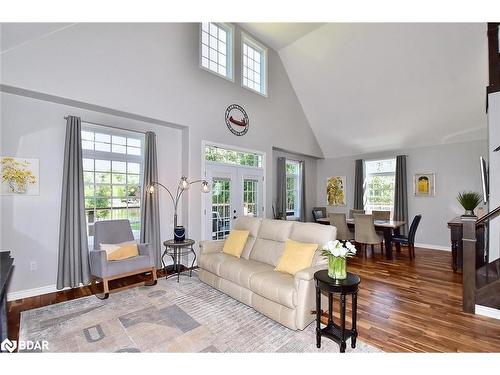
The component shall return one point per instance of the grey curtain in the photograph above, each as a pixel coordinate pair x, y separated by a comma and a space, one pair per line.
401, 192
73, 262
358, 185
150, 212
281, 189
303, 190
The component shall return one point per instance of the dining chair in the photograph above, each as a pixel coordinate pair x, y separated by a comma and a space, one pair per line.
410, 239
381, 215
338, 220
355, 212
365, 233
319, 213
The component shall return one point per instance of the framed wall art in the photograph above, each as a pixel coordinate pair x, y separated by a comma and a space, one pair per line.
335, 191
20, 176
424, 184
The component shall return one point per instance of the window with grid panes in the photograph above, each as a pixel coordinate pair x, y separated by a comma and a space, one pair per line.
254, 65
216, 46
292, 189
112, 173
380, 178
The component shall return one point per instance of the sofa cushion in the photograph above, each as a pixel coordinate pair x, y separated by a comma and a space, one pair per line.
251, 224
276, 286
212, 261
270, 242
240, 271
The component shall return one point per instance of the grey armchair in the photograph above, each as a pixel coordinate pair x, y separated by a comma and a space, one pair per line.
112, 232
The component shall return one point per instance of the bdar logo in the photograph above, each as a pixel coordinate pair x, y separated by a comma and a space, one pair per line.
8, 345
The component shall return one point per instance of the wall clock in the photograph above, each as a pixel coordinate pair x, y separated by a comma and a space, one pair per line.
237, 119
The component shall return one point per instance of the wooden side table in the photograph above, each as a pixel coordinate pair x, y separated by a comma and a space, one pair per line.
337, 333
176, 250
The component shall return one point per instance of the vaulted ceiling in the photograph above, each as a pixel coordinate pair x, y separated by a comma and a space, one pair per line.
376, 87
369, 87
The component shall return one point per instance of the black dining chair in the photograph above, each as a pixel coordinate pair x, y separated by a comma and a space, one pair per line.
410, 239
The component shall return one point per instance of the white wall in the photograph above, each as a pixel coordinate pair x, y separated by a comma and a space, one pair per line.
494, 169
153, 70
310, 181
35, 129
456, 167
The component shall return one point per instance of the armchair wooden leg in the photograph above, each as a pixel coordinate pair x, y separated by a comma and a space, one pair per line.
366, 255
95, 290
154, 279
373, 251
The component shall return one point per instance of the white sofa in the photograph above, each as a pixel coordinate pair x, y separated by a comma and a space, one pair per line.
252, 280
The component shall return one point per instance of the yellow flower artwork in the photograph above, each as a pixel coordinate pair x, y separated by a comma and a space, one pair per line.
19, 176
335, 191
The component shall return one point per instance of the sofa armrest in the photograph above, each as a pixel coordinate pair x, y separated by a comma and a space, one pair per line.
307, 274
98, 263
146, 249
211, 246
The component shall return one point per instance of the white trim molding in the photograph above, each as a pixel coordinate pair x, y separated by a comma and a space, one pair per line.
12, 296
433, 247
487, 311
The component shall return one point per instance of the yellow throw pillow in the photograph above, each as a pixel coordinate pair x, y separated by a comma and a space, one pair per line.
120, 251
235, 242
296, 257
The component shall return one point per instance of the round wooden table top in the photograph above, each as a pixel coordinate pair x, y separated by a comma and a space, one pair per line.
347, 285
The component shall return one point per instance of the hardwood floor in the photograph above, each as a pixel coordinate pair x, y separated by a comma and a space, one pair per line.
403, 305
416, 306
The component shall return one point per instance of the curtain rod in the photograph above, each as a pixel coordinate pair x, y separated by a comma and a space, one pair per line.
109, 126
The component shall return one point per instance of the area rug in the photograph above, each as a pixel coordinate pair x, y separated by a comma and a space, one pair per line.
189, 316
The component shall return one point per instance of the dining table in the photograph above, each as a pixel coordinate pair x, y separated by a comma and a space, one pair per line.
389, 228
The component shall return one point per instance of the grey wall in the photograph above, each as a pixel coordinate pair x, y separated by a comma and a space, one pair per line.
153, 70
311, 178
494, 168
456, 167
35, 129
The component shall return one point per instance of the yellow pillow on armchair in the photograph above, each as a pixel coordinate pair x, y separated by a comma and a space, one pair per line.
120, 251
235, 242
296, 256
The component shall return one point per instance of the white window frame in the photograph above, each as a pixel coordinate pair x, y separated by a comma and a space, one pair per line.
246, 39
113, 156
366, 175
229, 53
298, 190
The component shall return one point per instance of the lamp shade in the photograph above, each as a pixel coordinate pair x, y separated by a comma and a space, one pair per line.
205, 188
184, 183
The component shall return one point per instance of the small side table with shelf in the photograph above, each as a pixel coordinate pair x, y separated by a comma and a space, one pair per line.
333, 331
176, 250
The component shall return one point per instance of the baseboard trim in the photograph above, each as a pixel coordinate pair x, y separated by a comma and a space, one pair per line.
12, 296
433, 247
487, 311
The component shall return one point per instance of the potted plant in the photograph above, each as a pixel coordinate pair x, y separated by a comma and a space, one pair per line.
337, 254
469, 200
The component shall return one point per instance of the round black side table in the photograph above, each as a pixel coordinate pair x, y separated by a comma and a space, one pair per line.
337, 333
176, 250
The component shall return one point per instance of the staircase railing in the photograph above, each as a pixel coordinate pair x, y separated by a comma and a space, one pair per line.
469, 224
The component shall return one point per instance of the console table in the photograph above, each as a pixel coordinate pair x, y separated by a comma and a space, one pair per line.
6, 266
456, 234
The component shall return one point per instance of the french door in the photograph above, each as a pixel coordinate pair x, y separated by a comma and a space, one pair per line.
235, 191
